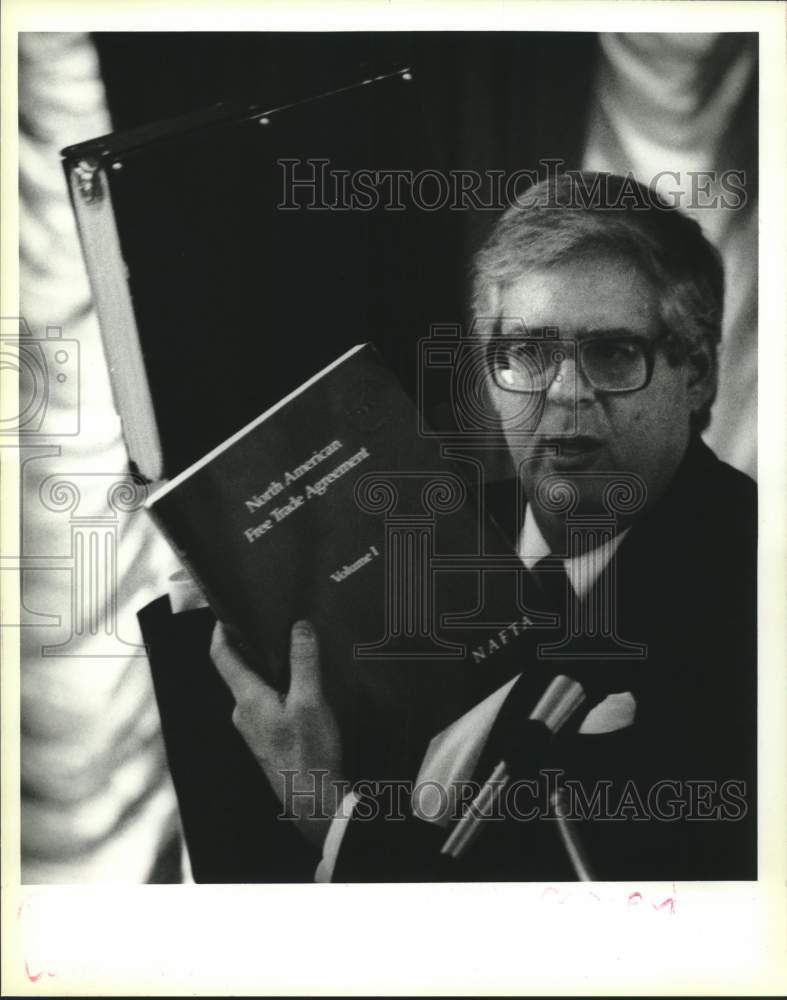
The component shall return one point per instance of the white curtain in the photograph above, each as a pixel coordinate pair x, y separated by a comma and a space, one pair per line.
685, 103
97, 803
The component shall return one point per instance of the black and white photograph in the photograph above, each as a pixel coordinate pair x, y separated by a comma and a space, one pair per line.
388, 413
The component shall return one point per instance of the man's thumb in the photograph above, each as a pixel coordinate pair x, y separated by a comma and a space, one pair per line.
305, 678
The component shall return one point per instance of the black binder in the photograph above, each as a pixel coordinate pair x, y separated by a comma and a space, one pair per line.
228, 811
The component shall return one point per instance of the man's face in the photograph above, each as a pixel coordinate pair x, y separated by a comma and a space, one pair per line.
644, 431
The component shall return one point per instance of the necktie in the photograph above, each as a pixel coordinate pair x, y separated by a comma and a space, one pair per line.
550, 587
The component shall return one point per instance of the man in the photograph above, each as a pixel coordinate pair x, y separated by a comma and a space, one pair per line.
603, 305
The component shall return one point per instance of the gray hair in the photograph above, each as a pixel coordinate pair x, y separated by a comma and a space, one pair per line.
577, 214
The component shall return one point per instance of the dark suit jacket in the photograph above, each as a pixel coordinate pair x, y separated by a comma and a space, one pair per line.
673, 795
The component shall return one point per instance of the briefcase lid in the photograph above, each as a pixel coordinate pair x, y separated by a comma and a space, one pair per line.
235, 251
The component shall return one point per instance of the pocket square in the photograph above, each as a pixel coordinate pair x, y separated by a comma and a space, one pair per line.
615, 712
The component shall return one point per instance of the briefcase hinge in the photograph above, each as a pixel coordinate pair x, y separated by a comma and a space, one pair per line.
88, 178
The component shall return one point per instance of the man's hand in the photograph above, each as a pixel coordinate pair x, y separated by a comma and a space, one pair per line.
295, 739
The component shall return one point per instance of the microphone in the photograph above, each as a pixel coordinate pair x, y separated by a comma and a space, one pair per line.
558, 705
562, 699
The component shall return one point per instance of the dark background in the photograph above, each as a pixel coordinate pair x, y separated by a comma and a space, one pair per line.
492, 100
496, 98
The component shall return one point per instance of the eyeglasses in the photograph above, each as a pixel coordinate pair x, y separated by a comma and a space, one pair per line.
610, 364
